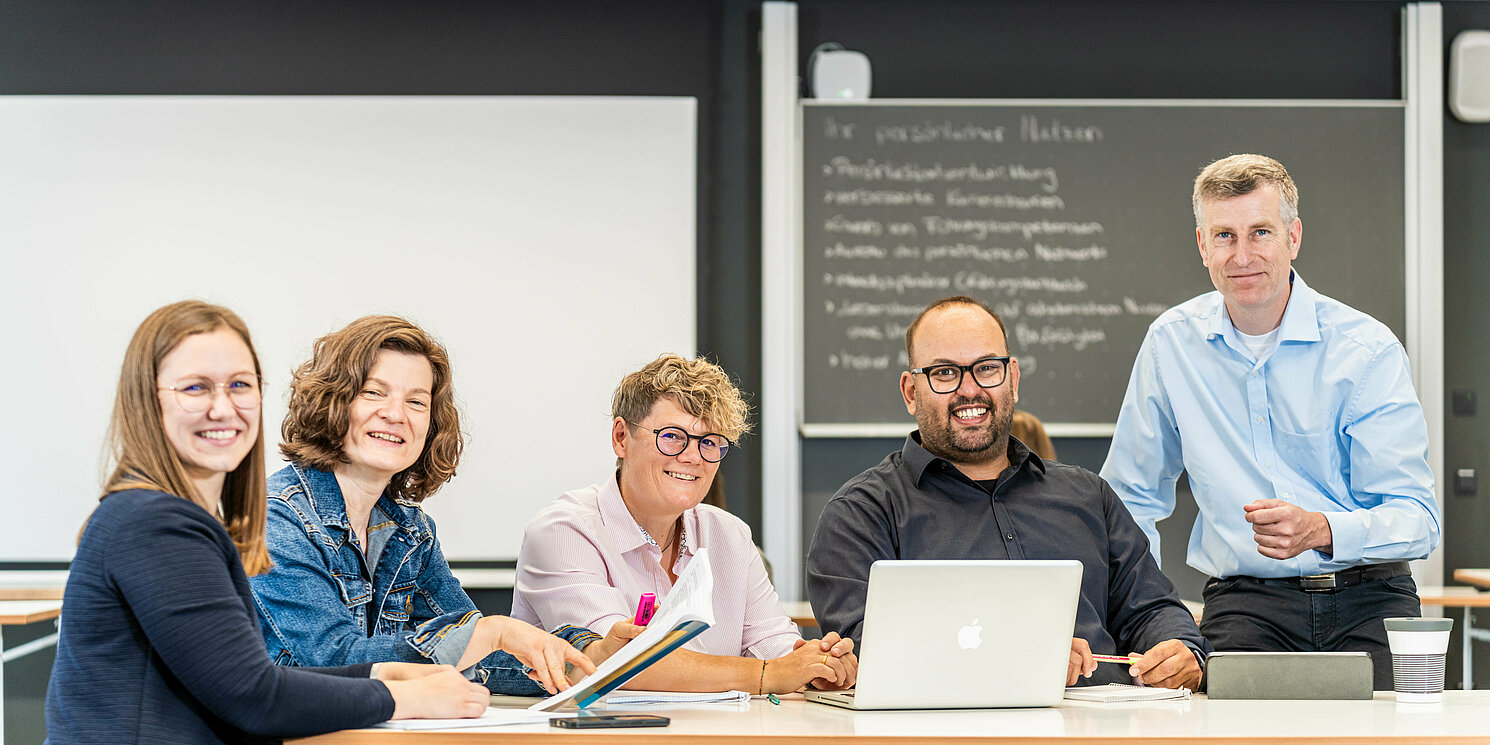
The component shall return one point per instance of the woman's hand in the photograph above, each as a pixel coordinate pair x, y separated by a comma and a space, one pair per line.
841, 648
439, 693
808, 663
407, 670
620, 633
545, 653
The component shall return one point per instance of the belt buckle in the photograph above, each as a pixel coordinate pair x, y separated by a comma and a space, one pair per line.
1317, 582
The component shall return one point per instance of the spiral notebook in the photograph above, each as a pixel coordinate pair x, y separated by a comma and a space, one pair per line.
1119, 692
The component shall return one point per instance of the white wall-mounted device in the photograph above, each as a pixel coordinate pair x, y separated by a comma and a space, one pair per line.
1469, 76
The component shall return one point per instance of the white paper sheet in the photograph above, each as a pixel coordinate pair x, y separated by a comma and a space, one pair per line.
493, 717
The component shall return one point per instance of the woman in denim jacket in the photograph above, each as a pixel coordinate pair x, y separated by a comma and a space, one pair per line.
157, 644
358, 574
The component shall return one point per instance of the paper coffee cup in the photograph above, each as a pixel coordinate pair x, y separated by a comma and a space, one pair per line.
1418, 648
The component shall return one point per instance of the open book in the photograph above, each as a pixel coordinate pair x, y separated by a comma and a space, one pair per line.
686, 611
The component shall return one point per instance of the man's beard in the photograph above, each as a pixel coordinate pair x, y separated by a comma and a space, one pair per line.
963, 444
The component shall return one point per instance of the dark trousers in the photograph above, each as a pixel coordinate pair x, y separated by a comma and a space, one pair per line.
1244, 615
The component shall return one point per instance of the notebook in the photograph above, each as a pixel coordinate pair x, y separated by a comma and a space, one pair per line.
1120, 692
674, 697
944, 634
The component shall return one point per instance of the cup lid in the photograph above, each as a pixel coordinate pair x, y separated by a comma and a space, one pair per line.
1419, 624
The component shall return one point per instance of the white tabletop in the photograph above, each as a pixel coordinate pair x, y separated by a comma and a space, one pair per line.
1464, 715
19, 612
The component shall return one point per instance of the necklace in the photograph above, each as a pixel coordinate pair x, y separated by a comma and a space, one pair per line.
682, 536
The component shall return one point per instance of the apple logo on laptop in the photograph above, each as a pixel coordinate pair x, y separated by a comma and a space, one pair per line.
970, 636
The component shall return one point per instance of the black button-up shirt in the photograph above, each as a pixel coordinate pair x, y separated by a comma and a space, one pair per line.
915, 505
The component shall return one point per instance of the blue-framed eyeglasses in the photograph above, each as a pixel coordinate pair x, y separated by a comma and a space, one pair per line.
673, 441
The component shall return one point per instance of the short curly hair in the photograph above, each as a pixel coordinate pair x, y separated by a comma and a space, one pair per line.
323, 389
698, 386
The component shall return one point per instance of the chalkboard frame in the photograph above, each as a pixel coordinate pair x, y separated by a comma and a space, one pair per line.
1399, 311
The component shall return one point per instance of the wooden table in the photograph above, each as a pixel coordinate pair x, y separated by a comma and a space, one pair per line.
1476, 577
26, 584
1463, 717
800, 611
19, 613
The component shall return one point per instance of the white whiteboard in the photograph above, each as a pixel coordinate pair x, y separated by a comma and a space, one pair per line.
525, 233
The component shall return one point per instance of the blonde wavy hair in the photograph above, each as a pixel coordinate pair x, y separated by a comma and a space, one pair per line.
323, 388
699, 387
142, 454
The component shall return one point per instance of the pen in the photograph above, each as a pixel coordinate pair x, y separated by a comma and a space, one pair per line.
1115, 658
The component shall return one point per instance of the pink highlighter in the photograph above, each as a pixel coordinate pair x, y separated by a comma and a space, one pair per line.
645, 608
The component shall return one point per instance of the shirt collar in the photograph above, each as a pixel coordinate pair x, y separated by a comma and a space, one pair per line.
624, 530
918, 459
331, 507
627, 533
1300, 320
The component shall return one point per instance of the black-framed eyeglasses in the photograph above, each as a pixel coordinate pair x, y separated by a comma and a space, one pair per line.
672, 441
988, 372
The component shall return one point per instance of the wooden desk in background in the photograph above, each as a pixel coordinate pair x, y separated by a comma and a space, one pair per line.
1477, 577
1463, 717
1467, 598
20, 613
801, 613
27, 584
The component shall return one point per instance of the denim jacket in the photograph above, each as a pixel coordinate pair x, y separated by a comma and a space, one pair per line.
326, 604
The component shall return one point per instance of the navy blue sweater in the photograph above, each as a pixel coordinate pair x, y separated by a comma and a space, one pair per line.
160, 644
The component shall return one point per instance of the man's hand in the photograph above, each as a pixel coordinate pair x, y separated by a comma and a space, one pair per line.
1082, 664
1170, 664
1284, 530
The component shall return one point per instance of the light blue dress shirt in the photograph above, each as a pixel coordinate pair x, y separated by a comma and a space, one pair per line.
1326, 418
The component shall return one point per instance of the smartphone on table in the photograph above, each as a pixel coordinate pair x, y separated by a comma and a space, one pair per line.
595, 721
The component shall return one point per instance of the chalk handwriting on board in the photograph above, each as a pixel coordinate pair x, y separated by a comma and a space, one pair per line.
1072, 221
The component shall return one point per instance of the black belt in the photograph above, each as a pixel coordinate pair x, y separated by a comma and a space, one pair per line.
1335, 580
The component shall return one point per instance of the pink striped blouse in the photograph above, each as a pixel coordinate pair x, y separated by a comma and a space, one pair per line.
584, 561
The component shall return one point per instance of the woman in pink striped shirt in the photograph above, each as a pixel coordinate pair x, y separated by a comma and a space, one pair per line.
588, 556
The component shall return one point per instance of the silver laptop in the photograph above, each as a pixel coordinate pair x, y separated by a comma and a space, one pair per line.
964, 635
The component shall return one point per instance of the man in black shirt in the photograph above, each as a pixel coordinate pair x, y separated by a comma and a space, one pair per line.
961, 488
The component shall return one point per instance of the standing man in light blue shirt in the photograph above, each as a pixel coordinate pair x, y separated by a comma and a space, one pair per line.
1295, 417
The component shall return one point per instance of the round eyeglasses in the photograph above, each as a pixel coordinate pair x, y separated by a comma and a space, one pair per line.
673, 441
988, 372
196, 396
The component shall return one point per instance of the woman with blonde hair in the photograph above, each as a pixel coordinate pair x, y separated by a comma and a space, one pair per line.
587, 557
372, 431
158, 641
